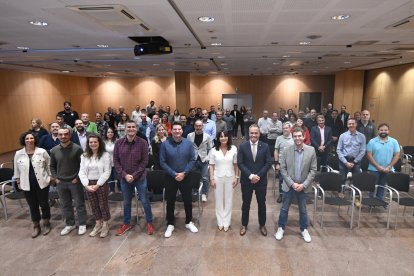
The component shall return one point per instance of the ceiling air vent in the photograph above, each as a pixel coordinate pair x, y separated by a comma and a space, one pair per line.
404, 24
115, 17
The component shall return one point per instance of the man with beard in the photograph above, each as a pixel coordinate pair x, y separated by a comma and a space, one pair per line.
64, 166
47, 142
383, 153
69, 115
80, 135
101, 125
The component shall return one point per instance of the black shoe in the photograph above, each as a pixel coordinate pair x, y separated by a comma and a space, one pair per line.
279, 199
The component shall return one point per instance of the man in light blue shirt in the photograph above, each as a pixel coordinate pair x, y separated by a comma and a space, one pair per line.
209, 126
351, 149
382, 152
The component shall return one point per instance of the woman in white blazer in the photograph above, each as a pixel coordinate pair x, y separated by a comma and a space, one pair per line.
32, 174
94, 172
223, 178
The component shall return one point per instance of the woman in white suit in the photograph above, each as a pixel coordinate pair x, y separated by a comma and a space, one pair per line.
32, 174
94, 172
223, 178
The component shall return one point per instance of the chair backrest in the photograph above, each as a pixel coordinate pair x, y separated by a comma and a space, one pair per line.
155, 179
6, 174
195, 178
364, 181
330, 181
408, 150
333, 161
399, 181
364, 164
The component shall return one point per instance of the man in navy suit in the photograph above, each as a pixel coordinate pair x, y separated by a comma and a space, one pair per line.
321, 139
254, 161
79, 134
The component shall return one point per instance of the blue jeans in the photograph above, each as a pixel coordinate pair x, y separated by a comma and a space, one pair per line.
203, 169
381, 179
284, 211
128, 191
344, 170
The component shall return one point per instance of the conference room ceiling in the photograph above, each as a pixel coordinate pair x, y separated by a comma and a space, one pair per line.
252, 37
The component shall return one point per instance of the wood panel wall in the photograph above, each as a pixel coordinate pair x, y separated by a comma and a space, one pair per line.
28, 95
349, 88
390, 98
269, 92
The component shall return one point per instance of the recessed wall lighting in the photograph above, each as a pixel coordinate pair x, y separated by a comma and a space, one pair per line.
102, 45
340, 17
304, 43
206, 18
216, 44
38, 23
22, 48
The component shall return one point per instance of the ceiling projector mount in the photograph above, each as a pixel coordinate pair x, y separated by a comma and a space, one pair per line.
151, 45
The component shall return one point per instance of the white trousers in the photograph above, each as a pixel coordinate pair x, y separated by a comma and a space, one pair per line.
224, 200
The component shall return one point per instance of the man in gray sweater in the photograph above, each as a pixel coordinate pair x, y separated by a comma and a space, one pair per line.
64, 166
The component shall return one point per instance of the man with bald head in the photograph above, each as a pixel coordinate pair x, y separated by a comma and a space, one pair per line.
366, 126
89, 126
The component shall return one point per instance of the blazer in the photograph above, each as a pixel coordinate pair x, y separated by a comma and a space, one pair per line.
247, 166
223, 164
287, 167
104, 166
75, 138
40, 162
316, 137
204, 148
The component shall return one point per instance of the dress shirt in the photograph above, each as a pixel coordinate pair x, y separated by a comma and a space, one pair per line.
82, 140
322, 130
131, 158
298, 164
210, 129
275, 129
351, 145
263, 125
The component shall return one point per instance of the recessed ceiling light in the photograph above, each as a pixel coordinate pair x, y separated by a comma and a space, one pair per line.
304, 43
22, 48
156, 64
286, 56
206, 19
275, 63
216, 44
102, 45
38, 23
221, 57
223, 64
137, 58
347, 62
65, 71
340, 17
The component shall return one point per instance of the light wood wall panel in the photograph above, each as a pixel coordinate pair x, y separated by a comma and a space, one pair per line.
390, 98
269, 92
28, 95
129, 92
349, 88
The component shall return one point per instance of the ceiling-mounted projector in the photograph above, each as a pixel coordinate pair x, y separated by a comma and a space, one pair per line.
152, 48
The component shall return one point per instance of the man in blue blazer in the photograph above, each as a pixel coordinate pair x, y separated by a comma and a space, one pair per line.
254, 161
321, 139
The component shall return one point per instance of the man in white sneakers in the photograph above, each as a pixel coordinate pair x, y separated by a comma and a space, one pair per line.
177, 158
298, 166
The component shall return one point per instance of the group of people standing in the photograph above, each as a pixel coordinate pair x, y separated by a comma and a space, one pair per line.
90, 157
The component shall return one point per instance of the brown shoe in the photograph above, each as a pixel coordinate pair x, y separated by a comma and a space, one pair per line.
46, 227
36, 229
150, 229
263, 230
243, 230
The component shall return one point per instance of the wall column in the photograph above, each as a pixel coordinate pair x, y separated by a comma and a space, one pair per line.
182, 91
349, 88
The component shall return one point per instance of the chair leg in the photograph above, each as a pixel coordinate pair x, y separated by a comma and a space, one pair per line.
4, 207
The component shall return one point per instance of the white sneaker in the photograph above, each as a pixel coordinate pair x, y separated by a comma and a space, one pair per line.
306, 236
67, 230
191, 227
279, 233
203, 198
349, 175
169, 231
82, 229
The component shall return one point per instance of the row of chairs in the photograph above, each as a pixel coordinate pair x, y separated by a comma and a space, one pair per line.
155, 181
398, 184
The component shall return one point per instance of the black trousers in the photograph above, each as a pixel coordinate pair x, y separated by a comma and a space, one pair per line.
185, 188
36, 198
247, 191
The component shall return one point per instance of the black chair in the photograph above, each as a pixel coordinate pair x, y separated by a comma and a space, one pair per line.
156, 182
399, 183
9, 189
366, 182
364, 163
331, 182
408, 155
333, 162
